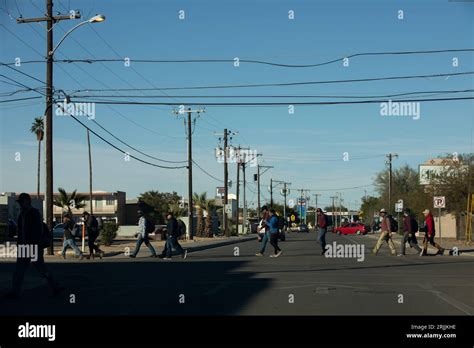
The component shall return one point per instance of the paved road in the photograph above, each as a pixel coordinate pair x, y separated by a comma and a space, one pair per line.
215, 282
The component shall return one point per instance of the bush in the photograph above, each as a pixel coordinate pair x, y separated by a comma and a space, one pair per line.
108, 232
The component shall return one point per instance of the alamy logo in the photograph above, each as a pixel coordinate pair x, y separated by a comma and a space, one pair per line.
405, 109
37, 331
76, 109
28, 251
335, 250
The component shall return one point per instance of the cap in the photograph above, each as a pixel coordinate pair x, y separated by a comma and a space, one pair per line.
382, 210
426, 211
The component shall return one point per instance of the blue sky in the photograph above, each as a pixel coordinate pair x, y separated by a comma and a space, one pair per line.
305, 148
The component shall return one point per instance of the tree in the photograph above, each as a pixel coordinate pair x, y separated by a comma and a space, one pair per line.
200, 204
38, 128
176, 210
210, 207
156, 204
66, 202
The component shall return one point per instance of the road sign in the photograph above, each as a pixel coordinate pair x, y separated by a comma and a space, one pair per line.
439, 202
399, 206
291, 203
228, 208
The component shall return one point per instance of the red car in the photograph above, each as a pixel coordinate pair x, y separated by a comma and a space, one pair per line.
352, 228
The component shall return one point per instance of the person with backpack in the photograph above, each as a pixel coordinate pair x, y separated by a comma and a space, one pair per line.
174, 230
410, 227
92, 227
387, 226
145, 227
263, 227
322, 223
68, 238
30, 232
429, 229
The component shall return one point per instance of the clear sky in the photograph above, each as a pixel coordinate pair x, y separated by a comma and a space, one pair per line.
306, 148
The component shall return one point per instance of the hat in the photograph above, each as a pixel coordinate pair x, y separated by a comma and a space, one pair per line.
382, 210
426, 211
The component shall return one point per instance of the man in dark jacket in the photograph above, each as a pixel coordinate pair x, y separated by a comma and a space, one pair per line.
30, 233
322, 223
172, 230
92, 227
409, 230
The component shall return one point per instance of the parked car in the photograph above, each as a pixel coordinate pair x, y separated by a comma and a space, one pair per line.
352, 228
303, 228
58, 231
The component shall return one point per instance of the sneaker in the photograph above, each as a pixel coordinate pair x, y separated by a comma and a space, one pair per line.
324, 251
440, 252
81, 257
258, 254
63, 256
278, 253
185, 254
166, 258
273, 255
153, 255
132, 256
400, 254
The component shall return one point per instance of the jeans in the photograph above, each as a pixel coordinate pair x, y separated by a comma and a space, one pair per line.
141, 240
274, 242
411, 240
264, 242
172, 243
322, 237
22, 265
72, 244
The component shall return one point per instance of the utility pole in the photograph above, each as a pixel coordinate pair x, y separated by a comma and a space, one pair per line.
90, 173
390, 157
333, 216
244, 220
48, 126
237, 194
226, 185
316, 195
259, 174
189, 136
271, 192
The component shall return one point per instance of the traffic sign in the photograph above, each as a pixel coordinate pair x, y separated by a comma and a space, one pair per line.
291, 203
399, 206
439, 202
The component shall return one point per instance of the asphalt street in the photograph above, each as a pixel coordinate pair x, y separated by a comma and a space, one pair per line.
217, 282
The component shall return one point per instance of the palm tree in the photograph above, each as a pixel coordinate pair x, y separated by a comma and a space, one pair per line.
67, 202
176, 210
200, 203
38, 128
209, 206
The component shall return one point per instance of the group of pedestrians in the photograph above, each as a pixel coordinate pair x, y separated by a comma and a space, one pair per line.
410, 228
269, 225
145, 227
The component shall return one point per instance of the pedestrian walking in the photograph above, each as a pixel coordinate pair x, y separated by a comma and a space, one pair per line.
429, 229
30, 234
322, 223
274, 232
68, 238
92, 227
173, 233
144, 228
410, 227
385, 233
263, 227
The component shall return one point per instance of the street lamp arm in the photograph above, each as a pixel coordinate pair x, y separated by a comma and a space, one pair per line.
66, 35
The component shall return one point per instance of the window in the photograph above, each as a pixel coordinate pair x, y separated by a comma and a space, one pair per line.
110, 202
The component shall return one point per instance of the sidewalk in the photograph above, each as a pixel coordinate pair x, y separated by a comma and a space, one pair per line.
118, 248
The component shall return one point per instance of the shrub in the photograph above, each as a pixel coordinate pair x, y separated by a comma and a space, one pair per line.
108, 232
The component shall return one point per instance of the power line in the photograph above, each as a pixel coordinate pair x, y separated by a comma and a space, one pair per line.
112, 102
207, 173
262, 62
286, 84
18, 99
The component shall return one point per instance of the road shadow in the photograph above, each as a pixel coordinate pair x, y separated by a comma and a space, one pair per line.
141, 287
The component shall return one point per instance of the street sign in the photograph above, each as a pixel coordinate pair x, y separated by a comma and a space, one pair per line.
228, 208
399, 206
439, 202
220, 192
291, 203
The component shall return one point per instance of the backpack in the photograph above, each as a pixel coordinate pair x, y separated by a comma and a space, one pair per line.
393, 224
414, 225
181, 228
45, 240
149, 227
281, 223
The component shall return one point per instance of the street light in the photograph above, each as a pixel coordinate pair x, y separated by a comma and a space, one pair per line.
95, 19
